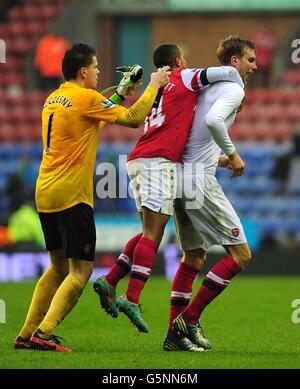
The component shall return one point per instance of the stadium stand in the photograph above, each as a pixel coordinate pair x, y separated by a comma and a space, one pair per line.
277, 213
20, 109
292, 77
264, 130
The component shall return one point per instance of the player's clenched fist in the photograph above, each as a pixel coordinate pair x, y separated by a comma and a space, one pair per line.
237, 165
161, 77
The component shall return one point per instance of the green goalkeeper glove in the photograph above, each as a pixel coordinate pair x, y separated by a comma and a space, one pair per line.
131, 75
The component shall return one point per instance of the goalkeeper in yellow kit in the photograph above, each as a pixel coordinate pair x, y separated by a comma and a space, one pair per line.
71, 119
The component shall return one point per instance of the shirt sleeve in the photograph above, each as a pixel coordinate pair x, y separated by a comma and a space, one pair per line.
195, 79
223, 73
135, 115
101, 108
231, 98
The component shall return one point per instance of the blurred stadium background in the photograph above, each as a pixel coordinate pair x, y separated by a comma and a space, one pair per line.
267, 131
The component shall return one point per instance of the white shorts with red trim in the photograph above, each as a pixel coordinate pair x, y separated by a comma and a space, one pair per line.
206, 217
153, 182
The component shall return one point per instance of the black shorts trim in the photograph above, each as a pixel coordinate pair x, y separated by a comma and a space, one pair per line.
72, 229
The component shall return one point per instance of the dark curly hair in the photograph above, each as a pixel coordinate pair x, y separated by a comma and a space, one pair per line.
78, 56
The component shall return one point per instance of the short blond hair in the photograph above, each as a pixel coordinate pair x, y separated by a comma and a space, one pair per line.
232, 45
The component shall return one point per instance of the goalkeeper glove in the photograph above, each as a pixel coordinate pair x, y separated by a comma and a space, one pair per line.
131, 74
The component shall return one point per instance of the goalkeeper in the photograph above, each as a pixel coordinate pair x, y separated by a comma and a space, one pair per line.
71, 118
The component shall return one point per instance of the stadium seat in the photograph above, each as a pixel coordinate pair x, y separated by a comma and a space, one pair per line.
293, 205
281, 131
120, 133
30, 133
243, 206
47, 12
36, 97
15, 13
262, 205
279, 207
3, 181
14, 64
17, 28
286, 96
34, 150
107, 134
262, 96
32, 12
271, 226
271, 112
294, 188
291, 225
24, 132
35, 28
292, 113
22, 45
4, 30
234, 135
261, 130
292, 77
264, 185
8, 133
123, 134
249, 114
257, 153
9, 167
17, 115
33, 115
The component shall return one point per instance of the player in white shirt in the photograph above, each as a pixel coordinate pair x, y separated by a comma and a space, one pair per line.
206, 217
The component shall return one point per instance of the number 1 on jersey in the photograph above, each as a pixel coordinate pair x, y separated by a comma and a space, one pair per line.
50, 121
156, 118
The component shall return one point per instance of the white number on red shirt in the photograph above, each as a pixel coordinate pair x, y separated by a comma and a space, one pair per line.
156, 118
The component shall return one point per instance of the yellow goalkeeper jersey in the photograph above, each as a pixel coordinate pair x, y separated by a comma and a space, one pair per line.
70, 122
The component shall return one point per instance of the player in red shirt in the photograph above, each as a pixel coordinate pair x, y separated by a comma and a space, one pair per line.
152, 167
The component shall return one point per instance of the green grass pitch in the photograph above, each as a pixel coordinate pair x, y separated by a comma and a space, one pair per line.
250, 326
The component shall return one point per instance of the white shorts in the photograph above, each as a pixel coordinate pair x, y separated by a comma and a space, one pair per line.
211, 221
153, 182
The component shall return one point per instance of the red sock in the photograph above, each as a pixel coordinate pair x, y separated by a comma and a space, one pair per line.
181, 291
123, 264
214, 283
144, 256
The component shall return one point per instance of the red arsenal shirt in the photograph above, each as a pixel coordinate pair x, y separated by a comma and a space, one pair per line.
167, 125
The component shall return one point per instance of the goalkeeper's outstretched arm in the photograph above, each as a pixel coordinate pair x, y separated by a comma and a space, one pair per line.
135, 115
130, 82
